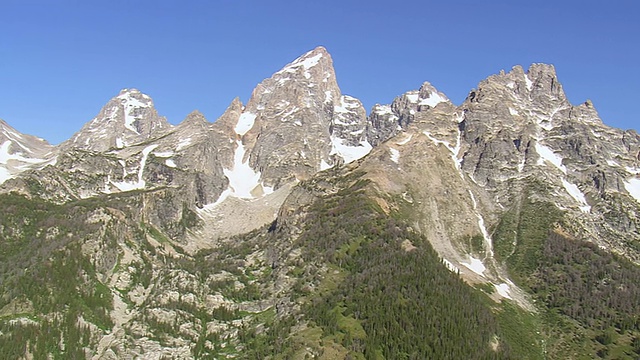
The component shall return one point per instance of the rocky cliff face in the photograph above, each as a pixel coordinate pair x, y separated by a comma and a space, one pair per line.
202, 231
519, 126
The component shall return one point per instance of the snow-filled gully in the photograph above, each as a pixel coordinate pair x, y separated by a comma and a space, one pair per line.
243, 179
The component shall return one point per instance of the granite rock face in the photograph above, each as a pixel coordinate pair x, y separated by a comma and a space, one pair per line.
297, 122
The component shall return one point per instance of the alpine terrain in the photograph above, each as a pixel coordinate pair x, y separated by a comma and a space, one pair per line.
296, 226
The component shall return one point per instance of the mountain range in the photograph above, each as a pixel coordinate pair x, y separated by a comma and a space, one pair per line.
297, 226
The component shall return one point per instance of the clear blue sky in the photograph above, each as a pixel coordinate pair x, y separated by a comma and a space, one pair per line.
61, 61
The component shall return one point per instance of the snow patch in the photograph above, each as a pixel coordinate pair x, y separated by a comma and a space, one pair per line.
612, 163
632, 170
25, 163
285, 114
349, 153
503, 289
130, 104
529, 82
126, 185
327, 96
4, 152
163, 154
145, 155
5, 156
312, 61
4, 175
124, 167
395, 155
119, 143
483, 229
324, 165
225, 194
383, 109
183, 143
405, 141
281, 81
546, 154
475, 265
577, 195
347, 105
11, 134
437, 141
170, 163
633, 188
433, 100
242, 178
412, 97
513, 112
522, 163
245, 123
140, 184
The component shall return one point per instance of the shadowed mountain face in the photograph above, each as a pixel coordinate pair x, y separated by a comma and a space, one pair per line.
298, 226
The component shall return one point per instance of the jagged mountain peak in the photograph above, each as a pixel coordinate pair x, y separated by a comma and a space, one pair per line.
314, 62
132, 92
312, 72
308, 60
537, 69
545, 81
540, 80
127, 119
131, 99
195, 118
227, 121
298, 122
386, 121
430, 96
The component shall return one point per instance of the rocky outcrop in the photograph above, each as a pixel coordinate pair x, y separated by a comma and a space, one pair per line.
386, 121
